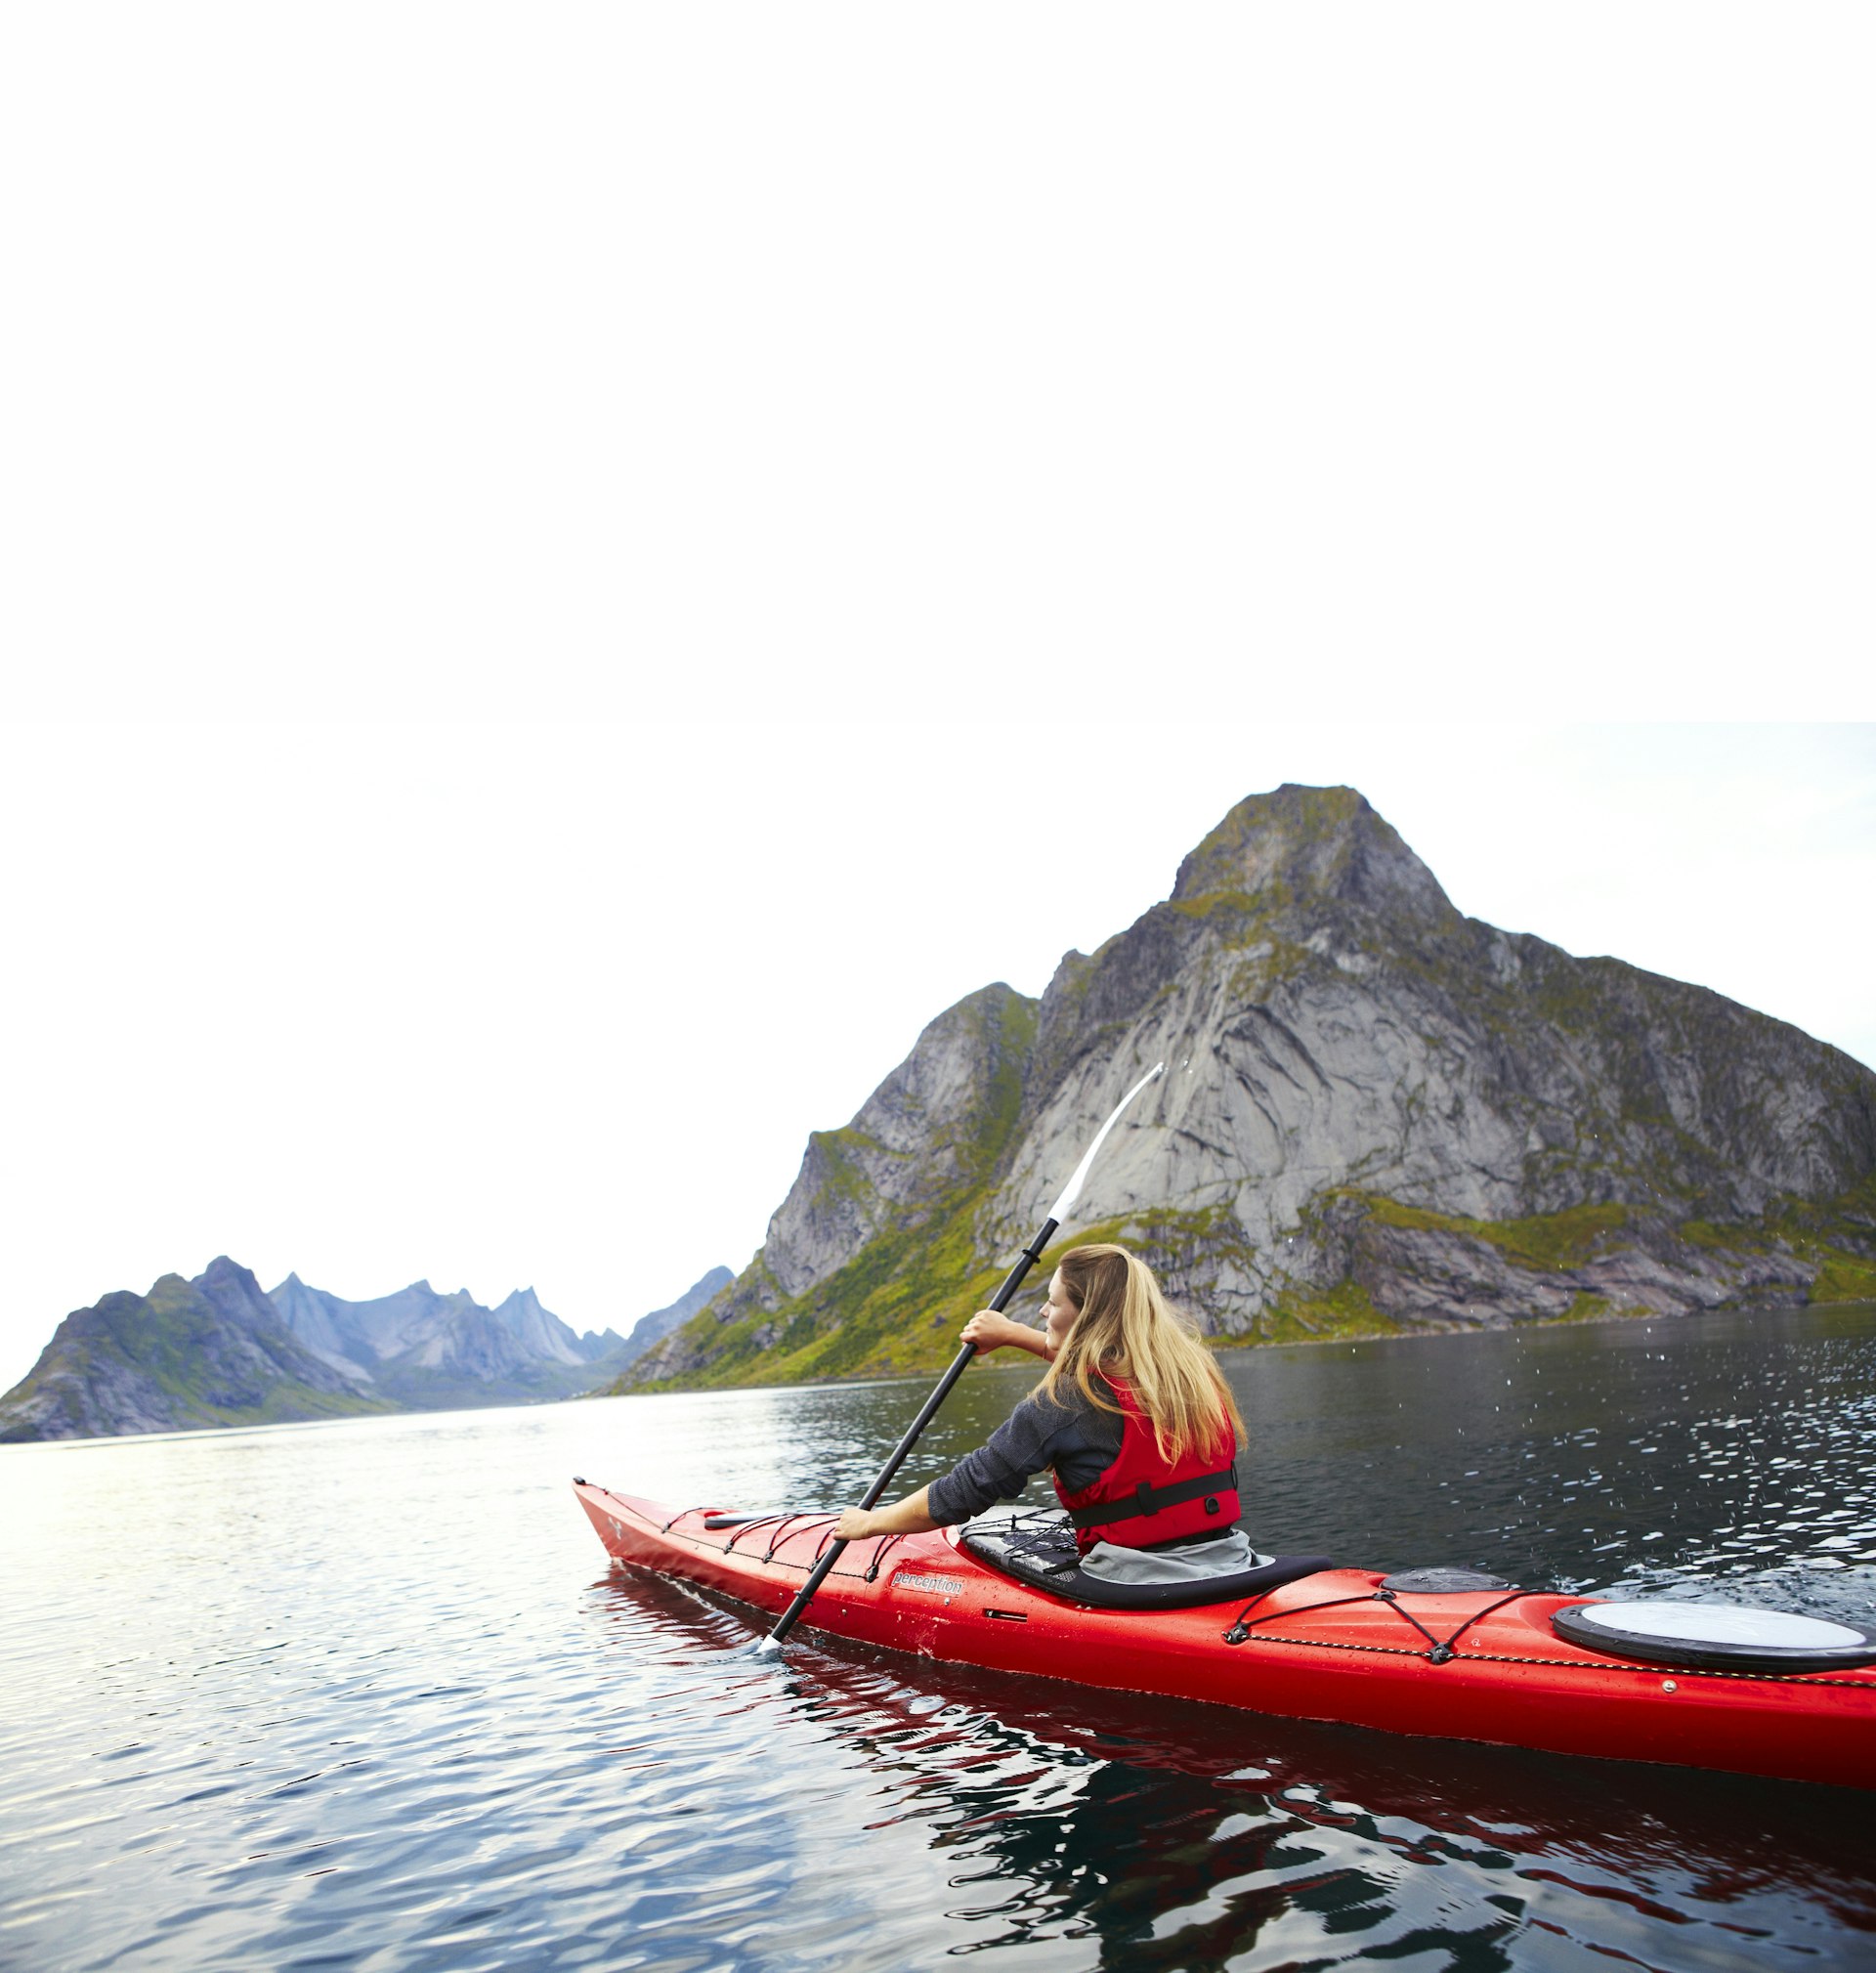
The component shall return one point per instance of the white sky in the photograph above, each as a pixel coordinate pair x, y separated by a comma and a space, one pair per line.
1279, 387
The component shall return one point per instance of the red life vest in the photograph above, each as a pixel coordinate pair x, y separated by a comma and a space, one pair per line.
1142, 1500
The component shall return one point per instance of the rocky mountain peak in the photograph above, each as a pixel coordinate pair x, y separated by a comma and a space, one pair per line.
655, 1327
936, 1123
1376, 1114
232, 1290
222, 1272
1312, 845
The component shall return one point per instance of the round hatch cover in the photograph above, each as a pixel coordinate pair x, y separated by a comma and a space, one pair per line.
1440, 1581
1729, 1637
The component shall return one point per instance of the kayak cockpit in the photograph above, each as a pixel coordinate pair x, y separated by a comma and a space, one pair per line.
1038, 1551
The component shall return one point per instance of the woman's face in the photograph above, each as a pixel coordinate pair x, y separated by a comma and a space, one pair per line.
1058, 1311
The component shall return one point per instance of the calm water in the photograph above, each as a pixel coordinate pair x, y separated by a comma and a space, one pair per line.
366, 1696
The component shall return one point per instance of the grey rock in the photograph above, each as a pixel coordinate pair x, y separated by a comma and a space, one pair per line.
913, 1140
1333, 1031
542, 1334
1330, 1021
420, 1349
931, 1130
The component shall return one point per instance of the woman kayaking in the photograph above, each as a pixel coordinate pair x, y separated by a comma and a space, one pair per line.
1133, 1420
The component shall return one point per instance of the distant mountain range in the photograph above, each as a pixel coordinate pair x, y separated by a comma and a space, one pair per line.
218, 1351
424, 1350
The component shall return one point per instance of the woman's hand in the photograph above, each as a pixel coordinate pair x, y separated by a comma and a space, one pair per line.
903, 1517
987, 1330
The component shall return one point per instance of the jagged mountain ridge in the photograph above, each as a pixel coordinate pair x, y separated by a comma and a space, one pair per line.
189, 1353
217, 1350
423, 1348
1378, 1114
660, 1323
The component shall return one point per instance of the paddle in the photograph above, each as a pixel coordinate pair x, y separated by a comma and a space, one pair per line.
959, 1364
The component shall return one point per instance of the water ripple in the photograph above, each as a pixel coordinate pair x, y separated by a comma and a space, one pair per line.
359, 1695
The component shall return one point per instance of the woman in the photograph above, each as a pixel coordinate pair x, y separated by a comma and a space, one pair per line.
1136, 1426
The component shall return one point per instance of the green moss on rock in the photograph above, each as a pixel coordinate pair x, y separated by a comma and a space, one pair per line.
1548, 1243
1324, 1315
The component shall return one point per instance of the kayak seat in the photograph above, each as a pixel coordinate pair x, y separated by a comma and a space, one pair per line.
1038, 1550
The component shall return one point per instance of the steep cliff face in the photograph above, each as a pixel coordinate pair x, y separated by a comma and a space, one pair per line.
934, 1128
1332, 1024
1377, 1113
875, 1206
189, 1353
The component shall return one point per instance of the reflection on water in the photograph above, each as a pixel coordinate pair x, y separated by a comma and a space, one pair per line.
1179, 1836
349, 1694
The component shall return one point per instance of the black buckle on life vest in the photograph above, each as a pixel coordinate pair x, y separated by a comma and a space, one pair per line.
1146, 1499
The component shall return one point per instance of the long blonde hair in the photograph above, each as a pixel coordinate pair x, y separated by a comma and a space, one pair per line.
1123, 1327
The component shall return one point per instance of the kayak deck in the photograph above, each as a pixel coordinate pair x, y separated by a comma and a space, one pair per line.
1330, 1644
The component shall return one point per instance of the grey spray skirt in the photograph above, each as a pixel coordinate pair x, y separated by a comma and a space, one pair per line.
1224, 1554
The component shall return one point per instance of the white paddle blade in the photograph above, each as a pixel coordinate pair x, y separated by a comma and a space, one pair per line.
1073, 1189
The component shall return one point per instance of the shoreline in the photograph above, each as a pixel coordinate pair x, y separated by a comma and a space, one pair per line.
1429, 1332
1233, 1346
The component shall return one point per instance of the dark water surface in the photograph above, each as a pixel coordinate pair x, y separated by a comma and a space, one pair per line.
365, 1694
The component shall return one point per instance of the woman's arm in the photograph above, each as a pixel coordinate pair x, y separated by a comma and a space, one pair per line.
909, 1516
989, 1331
1017, 1448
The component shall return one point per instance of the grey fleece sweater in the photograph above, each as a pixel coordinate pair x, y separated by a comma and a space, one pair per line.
1074, 1437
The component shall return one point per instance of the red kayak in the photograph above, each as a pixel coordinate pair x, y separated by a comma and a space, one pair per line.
1446, 1653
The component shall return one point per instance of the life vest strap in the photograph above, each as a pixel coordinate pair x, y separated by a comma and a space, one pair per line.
1145, 1499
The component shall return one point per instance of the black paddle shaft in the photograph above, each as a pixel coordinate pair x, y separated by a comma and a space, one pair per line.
1031, 1253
